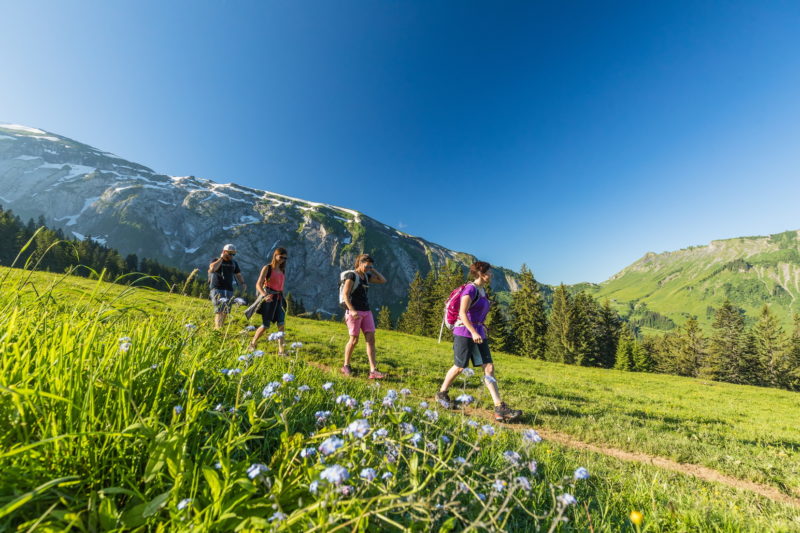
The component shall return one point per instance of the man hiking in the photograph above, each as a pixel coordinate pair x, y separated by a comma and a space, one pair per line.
221, 273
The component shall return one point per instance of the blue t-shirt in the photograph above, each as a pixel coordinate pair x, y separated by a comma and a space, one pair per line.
477, 313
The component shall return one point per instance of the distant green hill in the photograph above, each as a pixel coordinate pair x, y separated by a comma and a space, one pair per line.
660, 291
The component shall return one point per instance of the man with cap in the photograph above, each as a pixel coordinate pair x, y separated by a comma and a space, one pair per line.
221, 273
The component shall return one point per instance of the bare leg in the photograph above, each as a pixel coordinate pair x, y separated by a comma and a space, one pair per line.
491, 384
451, 375
259, 332
348, 349
219, 320
281, 350
370, 338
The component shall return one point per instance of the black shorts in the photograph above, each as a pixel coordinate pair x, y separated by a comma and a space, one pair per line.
273, 312
466, 350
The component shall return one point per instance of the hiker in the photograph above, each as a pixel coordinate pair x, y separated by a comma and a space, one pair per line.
353, 296
273, 307
470, 342
221, 273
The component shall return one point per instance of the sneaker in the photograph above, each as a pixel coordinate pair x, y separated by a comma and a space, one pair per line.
503, 413
347, 371
376, 375
444, 399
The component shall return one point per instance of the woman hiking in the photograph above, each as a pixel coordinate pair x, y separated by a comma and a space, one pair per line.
470, 342
273, 308
358, 315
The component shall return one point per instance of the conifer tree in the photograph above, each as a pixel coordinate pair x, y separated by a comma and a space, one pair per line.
528, 319
624, 354
727, 345
440, 283
609, 327
642, 360
560, 343
384, 318
688, 349
792, 377
769, 364
413, 319
586, 330
498, 325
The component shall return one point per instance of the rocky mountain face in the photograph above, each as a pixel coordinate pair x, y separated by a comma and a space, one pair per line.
695, 281
185, 221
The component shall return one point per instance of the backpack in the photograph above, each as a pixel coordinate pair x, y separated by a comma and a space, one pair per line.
453, 306
342, 279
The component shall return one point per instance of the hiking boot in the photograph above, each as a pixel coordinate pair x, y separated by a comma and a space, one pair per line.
444, 399
503, 413
376, 375
347, 370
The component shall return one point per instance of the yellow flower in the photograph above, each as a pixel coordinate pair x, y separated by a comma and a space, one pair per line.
637, 518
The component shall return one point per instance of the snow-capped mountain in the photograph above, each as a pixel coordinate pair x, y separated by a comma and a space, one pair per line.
184, 221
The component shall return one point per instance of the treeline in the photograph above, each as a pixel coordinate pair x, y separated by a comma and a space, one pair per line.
51, 251
578, 330
762, 354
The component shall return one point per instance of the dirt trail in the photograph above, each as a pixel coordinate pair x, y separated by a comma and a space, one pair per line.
698, 471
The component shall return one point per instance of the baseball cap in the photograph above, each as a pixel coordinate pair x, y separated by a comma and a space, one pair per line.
229, 248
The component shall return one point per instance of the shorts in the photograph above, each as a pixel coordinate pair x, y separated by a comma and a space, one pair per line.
466, 350
222, 300
273, 312
364, 322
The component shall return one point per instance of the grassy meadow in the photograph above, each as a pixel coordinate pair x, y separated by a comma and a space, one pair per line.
116, 415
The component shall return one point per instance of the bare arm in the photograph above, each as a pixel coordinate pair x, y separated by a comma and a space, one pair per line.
240, 279
462, 315
376, 277
214, 266
348, 287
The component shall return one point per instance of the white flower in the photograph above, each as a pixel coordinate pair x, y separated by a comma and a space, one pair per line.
415, 438
322, 416
512, 457
190, 326
250, 328
330, 445
245, 357
257, 470
530, 435
379, 434
523, 482
367, 403
124, 347
405, 392
153, 366
487, 430
288, 377
296, 345
533, 466
346, 490
219, 407
388, 402
258, 353
465, 399
386, 475
391, 393
303, 388
499, 485
433, 416
369, 474
407, 428
358, 429
239, 301
460, 460
407, 409
184, 503
581, 473
178, 409
423, 405
247, 394
124, 339
218, 465
313, 487
367, 412
445, 439
335, 474
277, 517
270, 390
277, 335
566, 499
472, 423
327, 386
468, 372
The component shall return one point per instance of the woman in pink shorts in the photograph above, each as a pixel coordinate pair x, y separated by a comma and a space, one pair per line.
358, 315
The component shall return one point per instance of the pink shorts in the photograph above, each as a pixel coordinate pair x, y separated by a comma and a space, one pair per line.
364, 322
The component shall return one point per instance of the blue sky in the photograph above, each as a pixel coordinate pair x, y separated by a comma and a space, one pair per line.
571, 136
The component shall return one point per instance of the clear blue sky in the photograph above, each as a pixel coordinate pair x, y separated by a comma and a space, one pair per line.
572, 136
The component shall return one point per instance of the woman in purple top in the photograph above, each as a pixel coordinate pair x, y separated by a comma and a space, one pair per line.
470, 342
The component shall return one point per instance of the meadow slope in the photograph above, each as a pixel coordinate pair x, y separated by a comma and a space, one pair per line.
102, 438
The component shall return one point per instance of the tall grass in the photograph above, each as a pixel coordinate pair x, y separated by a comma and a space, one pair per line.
121, 411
